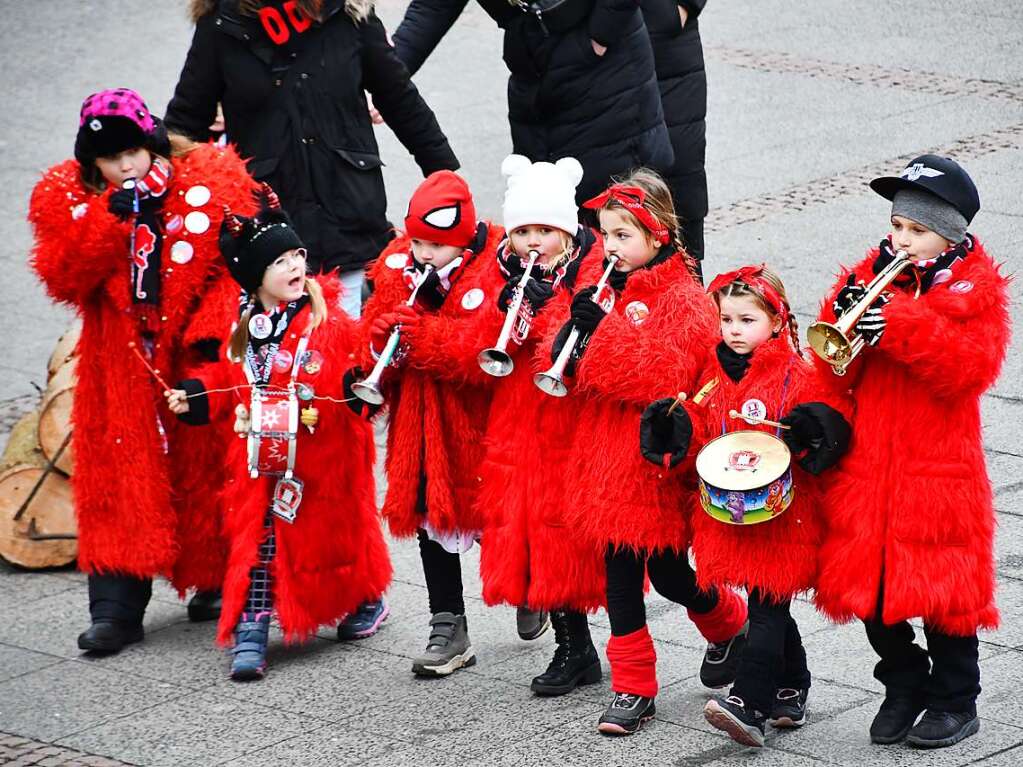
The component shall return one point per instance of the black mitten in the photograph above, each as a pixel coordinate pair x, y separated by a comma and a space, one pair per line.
664, 435
586, 314
359, 407
538, 293
122, 203
830, 440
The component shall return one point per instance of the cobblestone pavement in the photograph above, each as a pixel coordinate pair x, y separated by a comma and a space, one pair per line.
807, 103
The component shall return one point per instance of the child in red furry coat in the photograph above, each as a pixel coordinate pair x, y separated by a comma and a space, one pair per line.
646, 336
300, 511
126, 235
910, 532
756, 371
436, 393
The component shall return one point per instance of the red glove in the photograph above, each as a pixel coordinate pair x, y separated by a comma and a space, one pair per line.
380, 331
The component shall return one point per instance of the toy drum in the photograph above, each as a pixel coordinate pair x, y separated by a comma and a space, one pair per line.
272, 431
745, 477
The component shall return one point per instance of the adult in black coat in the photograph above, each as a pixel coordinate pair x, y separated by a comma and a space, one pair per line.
678, 58
292, 90
587, 90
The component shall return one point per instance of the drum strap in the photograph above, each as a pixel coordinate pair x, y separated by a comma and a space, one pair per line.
705, 392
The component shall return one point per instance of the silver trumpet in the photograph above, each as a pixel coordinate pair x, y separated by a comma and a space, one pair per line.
553, 381
368, 389
496, 361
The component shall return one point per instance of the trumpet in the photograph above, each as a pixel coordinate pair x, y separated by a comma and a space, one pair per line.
837, 343
496, 361
553, 381
368, 389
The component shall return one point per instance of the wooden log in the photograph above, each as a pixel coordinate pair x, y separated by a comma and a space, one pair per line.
23, 443
55, 417
65, 350
45, 534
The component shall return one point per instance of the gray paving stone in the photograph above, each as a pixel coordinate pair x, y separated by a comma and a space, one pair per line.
197, 728
14, 661
22, 587
67, 697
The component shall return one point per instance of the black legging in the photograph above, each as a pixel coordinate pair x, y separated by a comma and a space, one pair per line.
443, 572
670, 575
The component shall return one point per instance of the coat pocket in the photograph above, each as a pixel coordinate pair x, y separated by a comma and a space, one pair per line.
355, 186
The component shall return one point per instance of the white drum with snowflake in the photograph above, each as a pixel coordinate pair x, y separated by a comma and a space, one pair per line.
273, 427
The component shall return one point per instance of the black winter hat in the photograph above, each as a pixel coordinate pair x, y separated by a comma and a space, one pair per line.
250, 245
940, 176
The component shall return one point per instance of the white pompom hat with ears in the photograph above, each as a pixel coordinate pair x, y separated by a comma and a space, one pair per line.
541, 193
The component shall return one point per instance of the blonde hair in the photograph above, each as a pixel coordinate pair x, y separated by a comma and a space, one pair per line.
740, 289
239, 340
659, 204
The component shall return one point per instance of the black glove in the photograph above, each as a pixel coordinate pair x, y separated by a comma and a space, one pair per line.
359, 407
821, 431
538, 293
586, 314
662, 435
848, 296
122, 204
430, 296
872, 324
559, 343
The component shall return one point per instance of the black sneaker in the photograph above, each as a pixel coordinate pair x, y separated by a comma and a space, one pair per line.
721, 660
937, 729
626, 714
731, 715
894, 720
789, 708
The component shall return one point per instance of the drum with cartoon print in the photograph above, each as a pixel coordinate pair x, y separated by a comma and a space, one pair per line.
745, 477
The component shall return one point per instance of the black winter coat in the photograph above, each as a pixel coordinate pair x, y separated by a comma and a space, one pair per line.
298, 113
678, 59
564, 99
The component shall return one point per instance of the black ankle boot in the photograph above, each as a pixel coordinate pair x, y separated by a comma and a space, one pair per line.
109, 636
204, 606
575, 659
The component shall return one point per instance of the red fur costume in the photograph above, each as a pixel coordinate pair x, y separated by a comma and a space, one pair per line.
333, 556
911, 501
778, 557
438, 403
649, 346
138, 513
529, 554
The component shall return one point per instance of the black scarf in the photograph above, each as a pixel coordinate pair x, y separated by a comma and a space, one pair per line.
147, 234
259, 356
734, 364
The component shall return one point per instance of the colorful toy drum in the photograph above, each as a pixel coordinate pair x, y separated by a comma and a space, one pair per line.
745, 477
272, 431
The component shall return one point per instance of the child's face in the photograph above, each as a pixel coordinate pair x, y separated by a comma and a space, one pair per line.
633, 245
917, 240
131, 163
284, 279
434, 253
744, 325
546, 239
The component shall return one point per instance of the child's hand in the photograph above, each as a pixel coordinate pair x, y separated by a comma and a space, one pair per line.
538, 293
122, 203
683, 15
177, 401
848, 296
586, 313
665, 434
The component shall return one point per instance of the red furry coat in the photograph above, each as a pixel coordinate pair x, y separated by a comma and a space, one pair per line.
779, 556
530, 556
911, 502
139, 513
333, 556
650, 346
438, 401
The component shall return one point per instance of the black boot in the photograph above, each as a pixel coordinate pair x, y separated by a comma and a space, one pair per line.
205, 606
117, 604
575, 659
895, 719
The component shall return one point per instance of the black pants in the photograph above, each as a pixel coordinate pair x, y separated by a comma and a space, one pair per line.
443, 571
774, 656
945, 676
116, 597
670, 575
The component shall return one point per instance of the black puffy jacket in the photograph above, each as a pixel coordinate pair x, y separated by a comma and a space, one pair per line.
564, 99
678, 59
299, 115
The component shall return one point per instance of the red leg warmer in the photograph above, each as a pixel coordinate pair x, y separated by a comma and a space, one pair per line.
724, 621
633, 662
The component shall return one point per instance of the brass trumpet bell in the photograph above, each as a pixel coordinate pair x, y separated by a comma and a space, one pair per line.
830, 343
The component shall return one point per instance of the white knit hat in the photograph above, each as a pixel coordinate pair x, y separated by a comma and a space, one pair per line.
541, 193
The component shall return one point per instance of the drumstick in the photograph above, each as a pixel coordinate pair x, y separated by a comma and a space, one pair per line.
150, 368
679, 399
753, 418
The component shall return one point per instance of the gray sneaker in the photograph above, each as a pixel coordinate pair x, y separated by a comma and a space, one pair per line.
531, 623
448, 649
